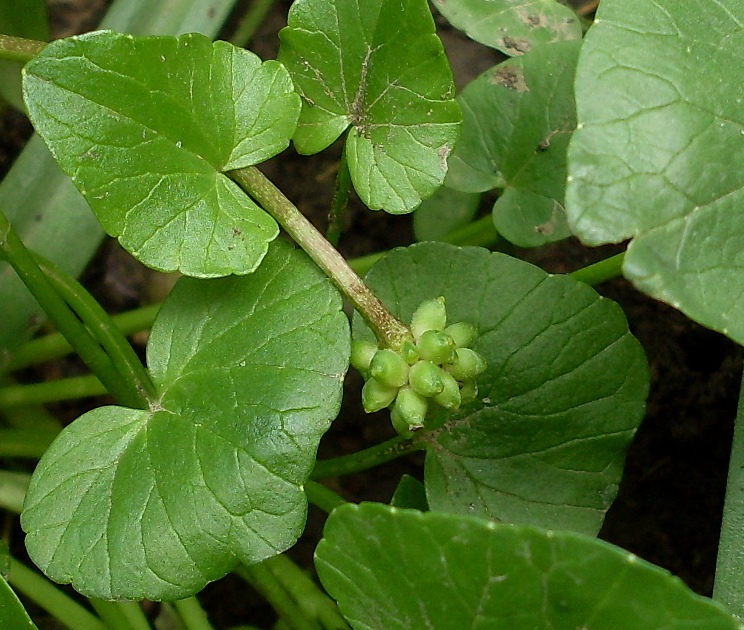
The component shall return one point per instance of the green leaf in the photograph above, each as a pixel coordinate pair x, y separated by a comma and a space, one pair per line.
445, 211
654, 159
562, 396
512, 26
12, 613
130, 504
410, 493
517, 120
146, 127
378, 67
441, 571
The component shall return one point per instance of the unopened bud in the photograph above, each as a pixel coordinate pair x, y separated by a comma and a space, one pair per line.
468, 391
409, 352
361, 354
436, 346
449, 397
426, 378
430, 315
377, 395
463, 334
389, 368
411, 407
467, 364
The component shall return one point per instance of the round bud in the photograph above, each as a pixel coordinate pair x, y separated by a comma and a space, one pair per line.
468, 391
389, 368
409, 352
449, 397
426, 378
463, 334
467, 364
411, 407
436, 346
361, 354
399, 423
376, 395
430, 315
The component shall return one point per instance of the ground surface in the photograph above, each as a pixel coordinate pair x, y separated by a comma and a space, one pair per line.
670, 501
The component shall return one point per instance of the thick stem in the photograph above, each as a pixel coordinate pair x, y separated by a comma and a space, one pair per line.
192, 614
121, 615
51, 391
340, 201
389, 330
19, 48
365, 459
601, 271
323, 497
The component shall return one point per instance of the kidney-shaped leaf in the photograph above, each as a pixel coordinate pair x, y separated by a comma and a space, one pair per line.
378, 67
444, 571
154, 504
561, 398
655, 157
146, 128
517, 120
512, 26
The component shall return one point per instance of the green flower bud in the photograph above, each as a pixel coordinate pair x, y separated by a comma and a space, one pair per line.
467, 364
468, 391
377, 395
361, 354
411, 407
436, 346
449, 397
399, 423
463, 334
389, 368
426, 378
430, 315
409, 352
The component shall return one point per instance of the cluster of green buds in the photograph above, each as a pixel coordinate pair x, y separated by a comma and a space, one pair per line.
437, 365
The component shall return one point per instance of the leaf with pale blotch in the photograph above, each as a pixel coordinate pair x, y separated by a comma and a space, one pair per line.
564, 391
148, 126
133, 504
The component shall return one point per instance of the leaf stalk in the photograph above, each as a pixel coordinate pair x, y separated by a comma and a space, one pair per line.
19, 48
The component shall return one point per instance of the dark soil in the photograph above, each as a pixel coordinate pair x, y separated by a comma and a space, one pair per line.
669, 507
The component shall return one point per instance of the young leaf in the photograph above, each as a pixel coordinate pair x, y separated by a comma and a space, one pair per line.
442, 571
517, 120
512, 26
378, 67
130, 504
560, 400
654, 159
146, 128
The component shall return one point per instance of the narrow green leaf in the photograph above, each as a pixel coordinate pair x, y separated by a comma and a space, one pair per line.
654, 159
441, 571
558, 404
517, 120
13, 615
512, 26
146, 128
130, 504
379, 67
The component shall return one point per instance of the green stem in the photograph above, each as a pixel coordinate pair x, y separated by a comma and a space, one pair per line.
42, 592
13, 487
364, 459
601, 271
121, 615
313, 601
323, 497
52, 391
19, 48
266, 583
192, 614
15, 252
54, 345
729, 583
29, 443
340, 201
389, 330
251, 21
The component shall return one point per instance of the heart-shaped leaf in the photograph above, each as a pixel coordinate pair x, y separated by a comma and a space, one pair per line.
378, 67
512, 26
517, 120
654, 159
146, 128
130, 504
444, 571
562, 396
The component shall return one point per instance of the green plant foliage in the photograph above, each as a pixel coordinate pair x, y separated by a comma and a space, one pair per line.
377, 67
517, 121
512, 26
654, 158
146, 127
442, 571
12, 614
154, 504
560, 400
445, 211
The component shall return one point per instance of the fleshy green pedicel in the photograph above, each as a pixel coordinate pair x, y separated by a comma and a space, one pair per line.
438, 366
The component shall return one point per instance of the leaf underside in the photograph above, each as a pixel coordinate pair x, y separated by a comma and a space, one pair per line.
131, 504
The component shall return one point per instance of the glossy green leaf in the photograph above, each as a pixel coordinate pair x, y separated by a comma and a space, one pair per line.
655, 158
562, 396
378, 67
410, 493
512, 26
154, 504
13, 615
445, 211
146, 128
517, 120
442, 571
